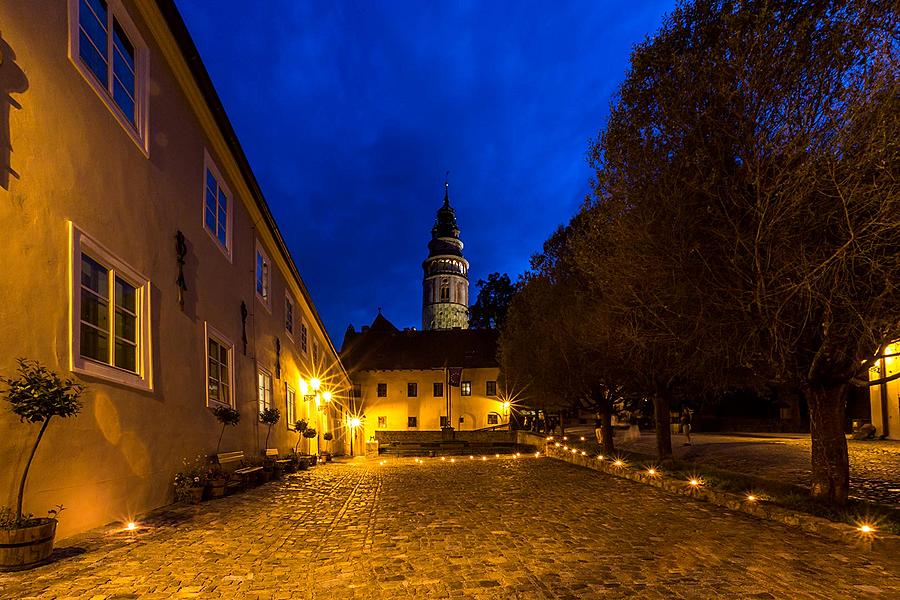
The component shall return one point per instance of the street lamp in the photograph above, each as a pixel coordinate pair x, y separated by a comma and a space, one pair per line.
506, 405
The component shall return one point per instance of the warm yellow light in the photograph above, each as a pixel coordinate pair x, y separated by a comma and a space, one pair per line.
355, 422
866, 528
471, 457
599, 457
557, 444
651, 471
318, 401
484, 458
549, 438
381, 462
537, 454
751, 498
694, 482
565, 438
565, 447
574, 451
619, 463
506, 405
327, 396
314, 383
452, 460
443, 458
583, 453
496, 456
304, 387
131, 526
582, 438
517, 455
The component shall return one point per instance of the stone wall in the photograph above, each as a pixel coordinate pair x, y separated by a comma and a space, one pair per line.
477, 437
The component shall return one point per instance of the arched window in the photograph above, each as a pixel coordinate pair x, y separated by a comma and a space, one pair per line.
445, 290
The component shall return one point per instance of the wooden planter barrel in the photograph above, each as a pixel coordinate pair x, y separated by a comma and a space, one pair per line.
26, 547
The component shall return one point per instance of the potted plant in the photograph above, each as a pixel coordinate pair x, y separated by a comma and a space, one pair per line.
35, 395
190, 483
227, 416
309, 434
299, 463
269, 417
327, 436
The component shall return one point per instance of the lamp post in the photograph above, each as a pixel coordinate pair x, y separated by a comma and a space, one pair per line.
506, 406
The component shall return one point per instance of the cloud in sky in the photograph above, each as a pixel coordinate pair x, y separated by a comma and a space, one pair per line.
351, 112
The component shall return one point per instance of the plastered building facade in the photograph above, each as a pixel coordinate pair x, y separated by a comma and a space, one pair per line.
142, 261
885, 397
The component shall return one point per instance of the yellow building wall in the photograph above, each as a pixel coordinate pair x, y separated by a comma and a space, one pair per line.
886, 394
396, 407
72, 161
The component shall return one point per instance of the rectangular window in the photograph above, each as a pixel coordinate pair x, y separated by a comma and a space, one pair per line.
290, 406
382, 390
438, 390
411, 422
217, 211
465, 388
382, 422
218, 369
490, 388
289, 315
110, 315
303, 338
106, 48
356, 391
264, 389
263, 276
444, 422
412, 390
493, 419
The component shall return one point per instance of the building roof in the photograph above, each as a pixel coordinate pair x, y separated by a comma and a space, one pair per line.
383, 347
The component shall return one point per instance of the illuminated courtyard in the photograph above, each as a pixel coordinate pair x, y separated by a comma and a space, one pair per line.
495, 528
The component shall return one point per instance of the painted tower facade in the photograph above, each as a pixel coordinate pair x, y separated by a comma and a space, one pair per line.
445, 298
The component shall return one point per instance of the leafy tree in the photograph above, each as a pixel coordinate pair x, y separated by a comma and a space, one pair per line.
492, 302
269, 417
749, 164
227, 416
36, 395
300, 426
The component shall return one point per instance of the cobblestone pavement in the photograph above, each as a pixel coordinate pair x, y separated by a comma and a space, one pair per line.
500, 528
874, 465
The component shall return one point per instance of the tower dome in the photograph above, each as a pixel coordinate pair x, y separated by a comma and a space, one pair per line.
445, 298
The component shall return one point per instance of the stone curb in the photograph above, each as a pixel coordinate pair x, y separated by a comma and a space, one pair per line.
821, 526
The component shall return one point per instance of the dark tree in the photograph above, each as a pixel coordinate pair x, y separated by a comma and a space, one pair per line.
492, 302
752, 155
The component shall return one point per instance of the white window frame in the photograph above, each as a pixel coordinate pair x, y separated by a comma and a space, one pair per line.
290, 415
210, 332
210, 164
137, 131
289, 301
265, 300
142, 379
465, 385
259, 405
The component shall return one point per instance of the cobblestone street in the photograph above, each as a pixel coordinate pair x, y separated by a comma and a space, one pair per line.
500, 528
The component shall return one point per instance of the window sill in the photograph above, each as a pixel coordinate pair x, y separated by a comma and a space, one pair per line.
111, 374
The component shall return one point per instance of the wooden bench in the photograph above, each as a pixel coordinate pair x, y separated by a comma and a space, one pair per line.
272, 454
232, 464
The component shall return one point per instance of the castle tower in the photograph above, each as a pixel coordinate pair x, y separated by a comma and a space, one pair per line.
445, 299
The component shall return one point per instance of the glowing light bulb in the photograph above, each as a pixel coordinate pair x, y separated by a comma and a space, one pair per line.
582, 438
651, 471
565, 438
583, 453
599, 457
471, 457
866, 528
694, 482
452, 460
484, 458
131, 526
496, 456
537, 454
619, 463
443, 458
557, 444
751, 498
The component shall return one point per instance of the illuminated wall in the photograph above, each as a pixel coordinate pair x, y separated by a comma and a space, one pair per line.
397, 406
885, 398
78, 169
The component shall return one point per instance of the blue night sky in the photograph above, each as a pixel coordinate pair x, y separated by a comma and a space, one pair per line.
351, 112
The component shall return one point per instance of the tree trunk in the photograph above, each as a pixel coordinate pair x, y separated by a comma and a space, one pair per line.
609, 446
219, 445
830, 462
27, 467
663, 420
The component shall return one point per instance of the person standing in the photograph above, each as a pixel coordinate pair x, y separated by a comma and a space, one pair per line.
686, 424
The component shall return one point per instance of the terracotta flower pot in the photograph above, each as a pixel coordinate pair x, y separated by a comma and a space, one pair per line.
27, 547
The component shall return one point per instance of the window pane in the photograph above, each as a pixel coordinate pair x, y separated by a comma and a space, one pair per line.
94, 310
221, 235
226, 394
125, 295
213, 389
124, 46
123, 74
92, 58
94, 276
210, 220
259, 273
223, 201
126, 326
223, 355
94, 344
123, 100
223, 218
211, 184
125, 355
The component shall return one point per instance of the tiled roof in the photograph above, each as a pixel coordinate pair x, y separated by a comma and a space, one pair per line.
383, 347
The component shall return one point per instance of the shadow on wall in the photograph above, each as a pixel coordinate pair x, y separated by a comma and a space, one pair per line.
12, 81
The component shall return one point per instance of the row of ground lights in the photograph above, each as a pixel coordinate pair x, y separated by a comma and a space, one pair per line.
694, 481
471, 457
